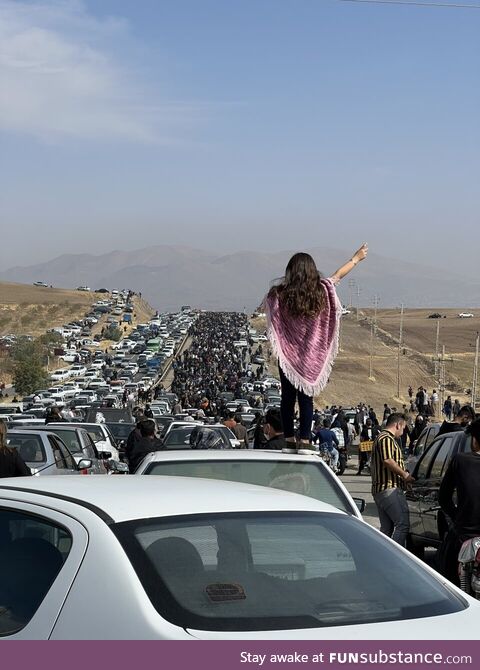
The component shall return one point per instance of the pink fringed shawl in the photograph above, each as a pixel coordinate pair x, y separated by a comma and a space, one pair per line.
306, 347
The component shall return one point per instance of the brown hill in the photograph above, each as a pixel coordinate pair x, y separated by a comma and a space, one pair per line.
31, 310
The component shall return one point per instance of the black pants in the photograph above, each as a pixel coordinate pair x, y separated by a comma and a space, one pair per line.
305, 402
447, 556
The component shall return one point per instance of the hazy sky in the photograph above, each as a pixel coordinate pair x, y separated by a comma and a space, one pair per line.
237, 124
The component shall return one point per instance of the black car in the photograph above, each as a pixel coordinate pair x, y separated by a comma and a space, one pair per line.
426, 438
435, 315
427, 522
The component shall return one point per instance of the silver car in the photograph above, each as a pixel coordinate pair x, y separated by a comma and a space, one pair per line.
206, 559
80, 445
44, 452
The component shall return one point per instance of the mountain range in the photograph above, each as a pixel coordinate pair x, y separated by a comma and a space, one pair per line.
171, 276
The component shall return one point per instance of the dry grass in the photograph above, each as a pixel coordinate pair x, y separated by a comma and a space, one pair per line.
31, 310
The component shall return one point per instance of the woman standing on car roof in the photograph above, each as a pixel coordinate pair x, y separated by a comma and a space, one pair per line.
11, 463
303, 318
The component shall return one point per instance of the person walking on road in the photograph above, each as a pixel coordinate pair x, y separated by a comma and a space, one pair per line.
389, 480
368, 436
303, 319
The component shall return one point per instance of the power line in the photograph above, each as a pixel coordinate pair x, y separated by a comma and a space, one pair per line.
415, 3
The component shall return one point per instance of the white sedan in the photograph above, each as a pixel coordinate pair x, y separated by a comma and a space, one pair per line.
297, 473
205, 559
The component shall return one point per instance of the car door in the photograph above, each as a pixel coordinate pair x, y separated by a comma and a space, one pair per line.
90, 451
41, 552
417, 491
435, 475
63, 461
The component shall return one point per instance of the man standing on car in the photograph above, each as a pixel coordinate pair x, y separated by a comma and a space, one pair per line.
389, 479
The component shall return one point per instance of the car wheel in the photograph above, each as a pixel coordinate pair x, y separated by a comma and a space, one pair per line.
417, 550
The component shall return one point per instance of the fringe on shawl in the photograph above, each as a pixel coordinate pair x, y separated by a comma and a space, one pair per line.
290, 373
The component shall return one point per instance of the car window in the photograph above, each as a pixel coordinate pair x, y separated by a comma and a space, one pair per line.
32, 553
58, 453
30, 447
70, 439
420, 445
294, 476
70, 461
442, 458
274, 570
89, 449
426, 460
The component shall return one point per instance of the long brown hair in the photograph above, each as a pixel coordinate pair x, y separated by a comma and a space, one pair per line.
300, 291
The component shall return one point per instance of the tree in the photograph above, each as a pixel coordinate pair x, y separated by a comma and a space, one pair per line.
112, 333
29, 375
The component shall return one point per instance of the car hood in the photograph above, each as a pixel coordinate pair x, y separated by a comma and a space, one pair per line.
457, 626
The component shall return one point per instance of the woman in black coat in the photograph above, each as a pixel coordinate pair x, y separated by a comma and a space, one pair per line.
11, 463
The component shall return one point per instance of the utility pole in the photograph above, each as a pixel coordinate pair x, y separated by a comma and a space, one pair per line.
373, 332
370, 371
441, 360
437, 341
475, 373
400, 342
359, 290
376, 301
351, 286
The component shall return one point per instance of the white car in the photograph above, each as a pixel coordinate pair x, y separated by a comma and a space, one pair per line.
78, 370
205, 559
40, 283
466, 315
84, 288
297, 473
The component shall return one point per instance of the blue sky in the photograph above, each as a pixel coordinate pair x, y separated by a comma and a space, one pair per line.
239, 124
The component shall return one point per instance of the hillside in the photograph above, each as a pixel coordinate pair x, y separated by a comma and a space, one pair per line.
350, 383
31, 310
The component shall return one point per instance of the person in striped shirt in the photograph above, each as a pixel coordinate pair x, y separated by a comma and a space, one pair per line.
389, 480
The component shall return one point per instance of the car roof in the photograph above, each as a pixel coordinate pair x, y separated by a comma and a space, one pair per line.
232, 455
127, 498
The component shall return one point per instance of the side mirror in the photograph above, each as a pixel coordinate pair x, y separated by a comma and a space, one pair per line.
104, 455
84, 464
118, 468
361, 504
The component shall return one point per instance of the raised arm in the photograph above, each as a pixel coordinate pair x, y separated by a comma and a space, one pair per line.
358, 256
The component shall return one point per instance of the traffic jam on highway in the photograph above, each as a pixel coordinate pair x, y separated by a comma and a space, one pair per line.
216, 529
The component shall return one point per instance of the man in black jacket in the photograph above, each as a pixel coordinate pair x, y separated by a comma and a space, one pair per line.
464, 417
145, 445
462, 479
273, 430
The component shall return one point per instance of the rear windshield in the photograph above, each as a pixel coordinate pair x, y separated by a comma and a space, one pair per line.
30, 447
274, 570
305, 478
